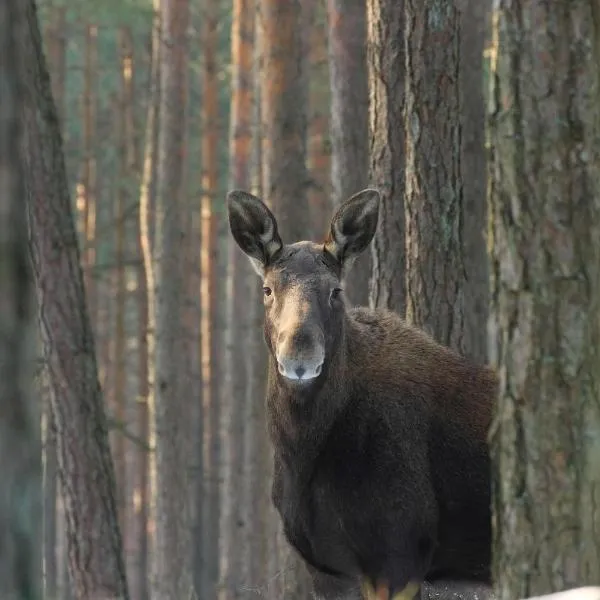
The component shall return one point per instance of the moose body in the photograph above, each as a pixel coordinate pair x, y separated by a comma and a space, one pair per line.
381, 465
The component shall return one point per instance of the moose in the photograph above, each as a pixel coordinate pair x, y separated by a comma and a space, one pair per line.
381, 465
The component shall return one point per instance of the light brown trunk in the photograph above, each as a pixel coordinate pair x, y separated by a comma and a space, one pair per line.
85, 467
544, 226
350, 120
385, 59
208, 288
20, 444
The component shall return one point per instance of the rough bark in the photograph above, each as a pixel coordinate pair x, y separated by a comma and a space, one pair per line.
435, 269
350, 120
20, 444
544, 224
208, 297
85, 467
385, 59
474, 20
172, 577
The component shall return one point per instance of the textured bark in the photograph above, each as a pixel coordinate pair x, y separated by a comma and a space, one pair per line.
385, 58
172, 549
85, 467
20, 444
474, 19
545, 260
350, 120
208, 297
435, 269
238, 456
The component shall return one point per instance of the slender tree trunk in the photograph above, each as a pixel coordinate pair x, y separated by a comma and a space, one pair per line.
146, 478
172, 559
20, 445
208, 298
237, 429
350, 120
285, 178
385, 58
85, 467
544, 224
318, 137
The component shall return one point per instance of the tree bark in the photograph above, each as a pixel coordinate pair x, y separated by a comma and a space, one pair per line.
544, 224
20, 443
350, 120
435, 267
385, 58
85, 467
172, 552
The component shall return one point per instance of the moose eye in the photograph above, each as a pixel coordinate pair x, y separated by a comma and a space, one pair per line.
267, 290
335, 293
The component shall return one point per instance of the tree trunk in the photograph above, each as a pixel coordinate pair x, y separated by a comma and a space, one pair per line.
238, 457
385, 58
435, 268
544, 224
474, 17
20, 444
350, 120
172, 555
285, 178
85, 467
208, 297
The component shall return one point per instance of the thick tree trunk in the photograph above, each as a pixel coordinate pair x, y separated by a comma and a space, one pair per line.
385, 58
20, 444
350, 120
435, 269
85, 467
545, 261
172, 555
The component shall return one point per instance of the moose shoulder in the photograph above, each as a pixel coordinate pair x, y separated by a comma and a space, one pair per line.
381, 466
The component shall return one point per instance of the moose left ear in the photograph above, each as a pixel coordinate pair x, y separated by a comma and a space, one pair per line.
353, 226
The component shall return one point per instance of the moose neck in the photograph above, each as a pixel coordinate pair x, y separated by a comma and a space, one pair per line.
301, 417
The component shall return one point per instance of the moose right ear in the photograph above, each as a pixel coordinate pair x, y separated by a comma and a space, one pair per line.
254, 229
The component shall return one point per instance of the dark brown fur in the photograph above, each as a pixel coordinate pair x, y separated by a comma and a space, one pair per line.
381, 463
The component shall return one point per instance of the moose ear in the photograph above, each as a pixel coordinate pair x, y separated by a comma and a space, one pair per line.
254, 228
353, 226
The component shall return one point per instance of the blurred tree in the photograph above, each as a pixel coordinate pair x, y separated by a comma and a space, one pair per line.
172, 575
350, 120
385, 59
20, 444
238, 429
544, 226
85, 466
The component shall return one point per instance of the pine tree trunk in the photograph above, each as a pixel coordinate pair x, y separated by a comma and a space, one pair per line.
208, 298
85, 467
172, 576
544, 225
435, 266
20, 444
350, 120
385, 58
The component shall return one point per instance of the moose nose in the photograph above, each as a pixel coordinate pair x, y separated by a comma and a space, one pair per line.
300, 370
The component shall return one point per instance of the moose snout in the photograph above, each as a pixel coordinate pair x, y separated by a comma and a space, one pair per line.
300, 356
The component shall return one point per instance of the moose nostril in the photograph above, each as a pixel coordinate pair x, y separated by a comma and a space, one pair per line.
300, 371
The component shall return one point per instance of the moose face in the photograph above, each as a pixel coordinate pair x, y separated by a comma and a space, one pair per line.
304, 307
